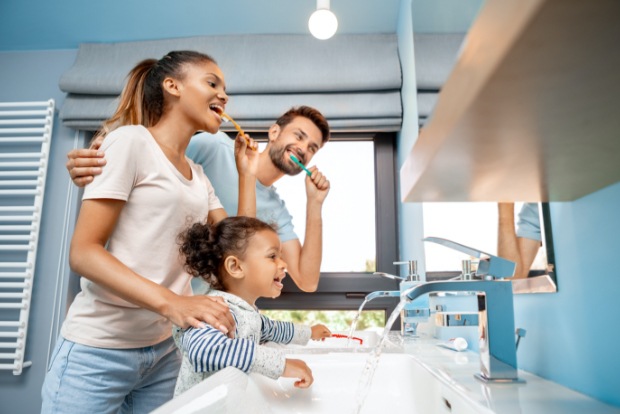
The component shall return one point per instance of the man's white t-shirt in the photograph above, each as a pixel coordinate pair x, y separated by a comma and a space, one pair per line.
160, 203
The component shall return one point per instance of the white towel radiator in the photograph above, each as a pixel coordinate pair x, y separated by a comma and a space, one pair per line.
25, 135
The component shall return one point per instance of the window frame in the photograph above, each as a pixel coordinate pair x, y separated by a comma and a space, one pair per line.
346, 290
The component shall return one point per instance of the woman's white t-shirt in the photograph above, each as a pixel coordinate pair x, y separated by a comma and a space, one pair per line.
160, 203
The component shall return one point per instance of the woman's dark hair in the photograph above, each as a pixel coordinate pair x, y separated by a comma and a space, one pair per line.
204, 247
142, 99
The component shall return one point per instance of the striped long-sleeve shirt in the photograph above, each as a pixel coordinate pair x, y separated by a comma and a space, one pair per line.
208, 350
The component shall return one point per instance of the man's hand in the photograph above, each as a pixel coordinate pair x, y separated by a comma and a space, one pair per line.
296, 368
317, 185
84, 164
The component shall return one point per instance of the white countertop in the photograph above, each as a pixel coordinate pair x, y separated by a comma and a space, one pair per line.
413, 375
457, 369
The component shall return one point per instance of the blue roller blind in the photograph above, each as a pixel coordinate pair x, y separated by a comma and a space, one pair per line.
354, 80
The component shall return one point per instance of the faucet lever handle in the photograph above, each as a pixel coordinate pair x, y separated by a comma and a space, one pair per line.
413, 269
489, 266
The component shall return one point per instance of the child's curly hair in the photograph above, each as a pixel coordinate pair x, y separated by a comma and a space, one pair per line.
205, 246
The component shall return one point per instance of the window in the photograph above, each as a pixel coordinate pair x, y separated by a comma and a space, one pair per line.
349, 243
335, 320
359, 225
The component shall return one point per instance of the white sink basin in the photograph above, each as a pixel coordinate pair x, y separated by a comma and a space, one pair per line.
399, 381
419, 378
336, 381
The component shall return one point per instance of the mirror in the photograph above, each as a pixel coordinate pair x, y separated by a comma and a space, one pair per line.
476, 225
472, 224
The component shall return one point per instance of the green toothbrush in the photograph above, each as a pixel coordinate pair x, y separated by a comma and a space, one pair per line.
303, 167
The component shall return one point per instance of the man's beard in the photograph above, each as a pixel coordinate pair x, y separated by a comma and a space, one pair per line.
283, 162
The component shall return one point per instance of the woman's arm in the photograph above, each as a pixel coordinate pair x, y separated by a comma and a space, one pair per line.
246, 159
89, 258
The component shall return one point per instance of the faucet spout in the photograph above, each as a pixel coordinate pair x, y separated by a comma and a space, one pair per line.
389, 276
498, 354
381, 294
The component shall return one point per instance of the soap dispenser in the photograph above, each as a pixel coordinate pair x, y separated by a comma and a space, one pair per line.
416, 311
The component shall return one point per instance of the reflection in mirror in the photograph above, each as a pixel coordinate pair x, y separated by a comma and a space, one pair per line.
477, 225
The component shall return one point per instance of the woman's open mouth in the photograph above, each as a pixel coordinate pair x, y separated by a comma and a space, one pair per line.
218, 109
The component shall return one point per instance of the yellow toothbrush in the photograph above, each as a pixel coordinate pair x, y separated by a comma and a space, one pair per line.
238, 128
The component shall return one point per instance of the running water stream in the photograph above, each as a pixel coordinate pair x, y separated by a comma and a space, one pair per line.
354, 322
373, 358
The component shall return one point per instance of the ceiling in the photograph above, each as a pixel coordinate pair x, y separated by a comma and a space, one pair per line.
64, 24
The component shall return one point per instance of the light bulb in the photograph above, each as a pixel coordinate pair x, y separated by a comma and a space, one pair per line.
323, 24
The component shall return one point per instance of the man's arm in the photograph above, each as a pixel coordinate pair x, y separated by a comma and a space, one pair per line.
304, 262
520, 250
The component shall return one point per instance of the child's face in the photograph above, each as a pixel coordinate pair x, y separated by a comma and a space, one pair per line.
263, 266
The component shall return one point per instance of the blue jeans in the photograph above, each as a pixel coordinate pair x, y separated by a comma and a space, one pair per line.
83, 379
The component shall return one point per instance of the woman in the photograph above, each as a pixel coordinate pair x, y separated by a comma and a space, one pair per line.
115, 353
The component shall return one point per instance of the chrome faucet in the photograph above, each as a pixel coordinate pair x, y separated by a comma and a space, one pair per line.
489, 266
412, 276
380, 294
497, 348
413, 313
371, 296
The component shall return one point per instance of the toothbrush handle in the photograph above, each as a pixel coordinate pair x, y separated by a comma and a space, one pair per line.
237, 127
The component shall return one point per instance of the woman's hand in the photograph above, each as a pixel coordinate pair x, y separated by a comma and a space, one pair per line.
296, 368
246, 155
320, 332
195, 311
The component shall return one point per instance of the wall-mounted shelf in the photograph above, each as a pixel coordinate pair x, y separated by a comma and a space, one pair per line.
531, 111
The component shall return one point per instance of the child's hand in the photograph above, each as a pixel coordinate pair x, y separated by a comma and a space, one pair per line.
320, 332
296, 368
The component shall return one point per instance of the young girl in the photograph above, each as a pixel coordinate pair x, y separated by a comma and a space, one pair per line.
115, 353
240, 258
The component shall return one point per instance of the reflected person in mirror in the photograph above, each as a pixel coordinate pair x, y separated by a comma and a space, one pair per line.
520, 244
240, 259
301, 131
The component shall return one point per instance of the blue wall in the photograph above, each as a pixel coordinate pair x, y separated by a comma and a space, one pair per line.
572, 336
33, 76
64, 24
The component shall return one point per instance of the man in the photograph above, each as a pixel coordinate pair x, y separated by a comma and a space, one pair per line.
301, 131
520, 245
